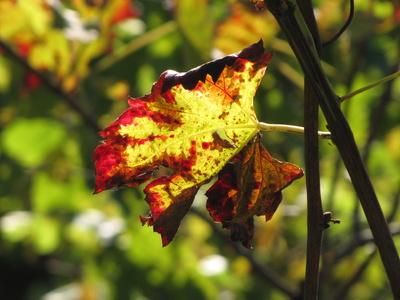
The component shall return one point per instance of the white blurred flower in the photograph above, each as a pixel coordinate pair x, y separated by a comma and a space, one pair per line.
75, 30
73, 27
76, 291
106, 228
132, 27
110, 228
213, 265
67, 292
15, 220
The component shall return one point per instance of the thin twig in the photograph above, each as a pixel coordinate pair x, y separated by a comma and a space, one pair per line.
361, 237
364, 237
341, 292
134, 45
344, 27
378, 115
290, 73
370, 86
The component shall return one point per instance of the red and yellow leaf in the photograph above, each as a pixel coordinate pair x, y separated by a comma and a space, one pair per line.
192, 123
254, 188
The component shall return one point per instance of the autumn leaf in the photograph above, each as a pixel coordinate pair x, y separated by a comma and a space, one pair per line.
253, 188
242, 26
193, 123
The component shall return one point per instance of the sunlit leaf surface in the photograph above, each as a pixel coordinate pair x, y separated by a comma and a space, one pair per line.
192, 123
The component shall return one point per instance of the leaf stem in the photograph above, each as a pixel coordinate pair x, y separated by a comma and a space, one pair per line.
290, 129
370, 86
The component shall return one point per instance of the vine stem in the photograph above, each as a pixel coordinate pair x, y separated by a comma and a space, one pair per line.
284, 12
290, 129
316, 219
370, 86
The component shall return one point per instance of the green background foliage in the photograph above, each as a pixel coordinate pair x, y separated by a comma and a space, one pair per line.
58, 241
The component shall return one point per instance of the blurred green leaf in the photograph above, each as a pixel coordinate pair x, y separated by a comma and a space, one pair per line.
197, 24
30, 141
49, 194
45, 234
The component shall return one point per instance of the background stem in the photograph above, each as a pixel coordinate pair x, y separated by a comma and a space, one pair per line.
370, 86
54, 86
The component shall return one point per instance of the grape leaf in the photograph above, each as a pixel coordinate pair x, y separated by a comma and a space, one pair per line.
193, 123
253, 188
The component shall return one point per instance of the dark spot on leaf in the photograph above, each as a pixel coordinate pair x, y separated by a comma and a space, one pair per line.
177, 122
223, 115
205, 145
192, 149
239, 65
178, 164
